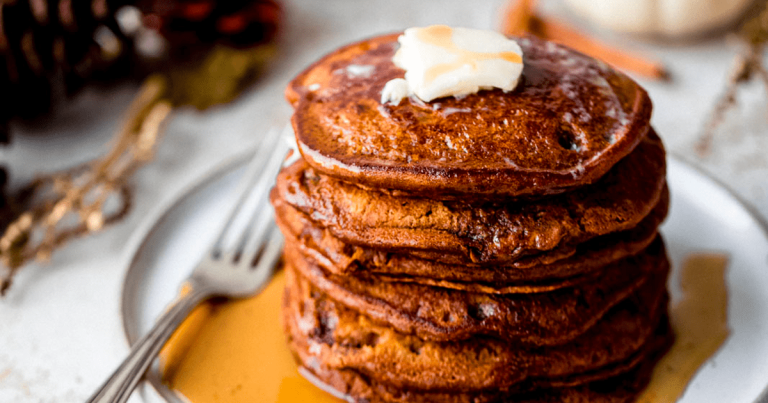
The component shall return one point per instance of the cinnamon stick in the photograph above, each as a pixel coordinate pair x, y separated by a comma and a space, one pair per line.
560, 32
517, 18
520, 18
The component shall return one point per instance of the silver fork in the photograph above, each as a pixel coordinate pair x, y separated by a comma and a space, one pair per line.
234, 271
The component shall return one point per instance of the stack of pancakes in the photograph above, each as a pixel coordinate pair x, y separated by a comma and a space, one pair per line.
493, 247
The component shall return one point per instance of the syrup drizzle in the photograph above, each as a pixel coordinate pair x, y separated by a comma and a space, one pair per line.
442, 36
700, 323
236, 351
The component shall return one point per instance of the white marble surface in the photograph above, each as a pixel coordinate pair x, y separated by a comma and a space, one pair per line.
60, 328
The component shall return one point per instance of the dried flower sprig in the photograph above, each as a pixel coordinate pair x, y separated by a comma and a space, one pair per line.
77, 201
82, 200
753, 34
203, 53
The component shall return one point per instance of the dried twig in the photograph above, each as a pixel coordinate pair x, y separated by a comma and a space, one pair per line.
83, 200
76, 202
748, 65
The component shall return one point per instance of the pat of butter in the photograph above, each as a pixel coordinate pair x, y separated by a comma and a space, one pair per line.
441, 61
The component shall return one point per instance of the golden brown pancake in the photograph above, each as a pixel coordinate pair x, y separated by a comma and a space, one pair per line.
435, 313
537, 273
569, 121
486, 233
325, 330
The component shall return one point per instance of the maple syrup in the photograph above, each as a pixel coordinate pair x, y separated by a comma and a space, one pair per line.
236, 351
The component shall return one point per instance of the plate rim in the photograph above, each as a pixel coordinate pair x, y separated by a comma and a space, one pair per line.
754, 213
144, 230
137, 241
148, 226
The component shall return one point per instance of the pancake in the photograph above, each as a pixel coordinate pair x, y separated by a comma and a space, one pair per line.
484, 233
434, 313
537, 273
498, 246
324, 330
355, 387
569, 121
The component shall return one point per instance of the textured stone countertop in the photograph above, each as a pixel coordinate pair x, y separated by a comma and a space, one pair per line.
60, 326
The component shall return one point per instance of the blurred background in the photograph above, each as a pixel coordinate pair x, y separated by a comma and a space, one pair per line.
215, 73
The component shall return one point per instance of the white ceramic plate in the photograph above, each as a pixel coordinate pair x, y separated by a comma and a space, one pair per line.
704, 216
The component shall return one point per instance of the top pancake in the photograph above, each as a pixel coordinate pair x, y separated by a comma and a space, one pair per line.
568, 121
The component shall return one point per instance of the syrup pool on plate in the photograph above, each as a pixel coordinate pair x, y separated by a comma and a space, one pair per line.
235, 351
700, 322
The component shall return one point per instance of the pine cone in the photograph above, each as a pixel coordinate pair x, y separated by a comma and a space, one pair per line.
49, 48
192, 26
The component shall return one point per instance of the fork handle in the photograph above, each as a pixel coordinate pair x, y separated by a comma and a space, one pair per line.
119, 386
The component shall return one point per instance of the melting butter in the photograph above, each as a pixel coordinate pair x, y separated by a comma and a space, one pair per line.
441, 61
